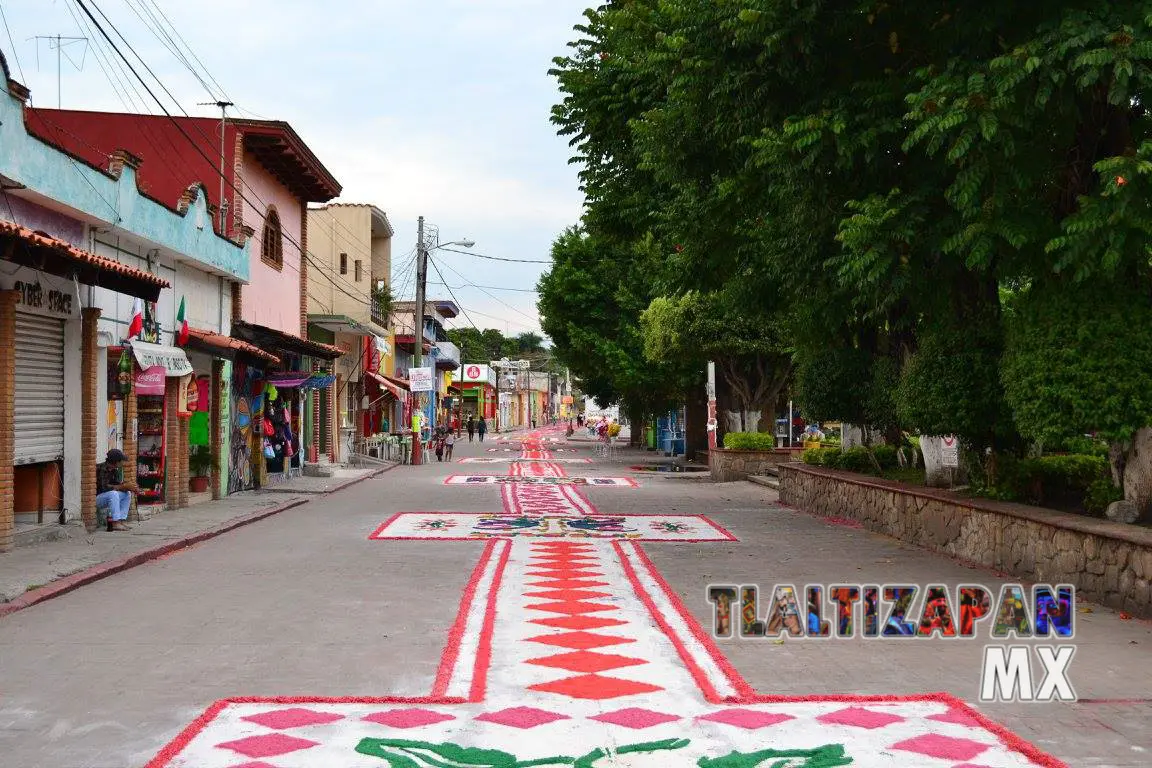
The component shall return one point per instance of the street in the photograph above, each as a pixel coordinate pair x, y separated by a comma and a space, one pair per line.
389, 622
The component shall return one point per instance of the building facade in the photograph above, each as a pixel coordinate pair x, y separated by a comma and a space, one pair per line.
348, 306
246, 349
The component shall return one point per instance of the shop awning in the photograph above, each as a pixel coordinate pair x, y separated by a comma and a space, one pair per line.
288, 380
272, 340
173, 360
226, 347
318, 381
388, 384
41, 251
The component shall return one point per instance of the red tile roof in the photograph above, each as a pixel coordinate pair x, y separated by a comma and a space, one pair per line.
94, 263
210, 339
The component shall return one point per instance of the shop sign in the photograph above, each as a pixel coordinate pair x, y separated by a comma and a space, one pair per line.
150, 381
32, 295
172, 359
420, 379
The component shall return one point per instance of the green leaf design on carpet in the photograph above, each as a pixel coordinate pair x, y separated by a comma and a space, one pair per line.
404, 753
828, 756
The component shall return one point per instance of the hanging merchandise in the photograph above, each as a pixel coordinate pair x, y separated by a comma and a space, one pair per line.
269, 430
268, 452
271, 392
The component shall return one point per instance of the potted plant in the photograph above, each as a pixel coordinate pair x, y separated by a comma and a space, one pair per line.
200, 463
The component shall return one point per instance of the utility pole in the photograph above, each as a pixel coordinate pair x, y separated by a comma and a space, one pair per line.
418, 346
711, 406
223, 105
60, 41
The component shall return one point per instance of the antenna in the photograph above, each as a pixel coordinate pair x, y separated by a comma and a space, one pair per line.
60, 42
223, 105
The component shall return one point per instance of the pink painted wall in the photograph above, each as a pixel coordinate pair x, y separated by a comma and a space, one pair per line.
272, 297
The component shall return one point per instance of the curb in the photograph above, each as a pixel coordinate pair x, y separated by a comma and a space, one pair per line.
74, 581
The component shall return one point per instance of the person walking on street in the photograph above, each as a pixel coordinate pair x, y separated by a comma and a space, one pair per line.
449, 442
481, 428
471, 427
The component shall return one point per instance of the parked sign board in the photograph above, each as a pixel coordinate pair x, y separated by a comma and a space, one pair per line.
950, 451
420, 379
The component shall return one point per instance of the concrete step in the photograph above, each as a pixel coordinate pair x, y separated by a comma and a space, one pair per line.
766, 481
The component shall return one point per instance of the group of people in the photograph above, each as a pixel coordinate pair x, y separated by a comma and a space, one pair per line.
476, 427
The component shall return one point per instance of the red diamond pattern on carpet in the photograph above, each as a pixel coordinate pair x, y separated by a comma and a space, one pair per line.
578, 622
597, 687
567, 584
568, 594
587, 661
572, 607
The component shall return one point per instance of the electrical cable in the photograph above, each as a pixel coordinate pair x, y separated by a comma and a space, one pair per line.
496, 258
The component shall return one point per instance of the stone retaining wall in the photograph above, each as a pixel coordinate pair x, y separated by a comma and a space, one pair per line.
1110, 563
728, 465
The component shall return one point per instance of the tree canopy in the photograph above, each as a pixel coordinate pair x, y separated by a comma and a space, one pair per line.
895, 192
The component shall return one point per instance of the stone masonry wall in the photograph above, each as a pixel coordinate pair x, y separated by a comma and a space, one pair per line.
728, 465
1109, 563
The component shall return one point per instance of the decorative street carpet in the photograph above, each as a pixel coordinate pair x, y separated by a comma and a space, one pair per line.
570, 649
604, 482
509, 459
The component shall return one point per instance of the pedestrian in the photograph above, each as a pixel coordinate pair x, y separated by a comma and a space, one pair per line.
471, 427
481, 428
439, 443
112, 493
449, 442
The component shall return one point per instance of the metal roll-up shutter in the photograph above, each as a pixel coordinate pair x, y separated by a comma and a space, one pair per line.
39, 413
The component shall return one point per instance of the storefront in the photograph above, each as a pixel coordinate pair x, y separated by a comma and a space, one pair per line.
48, 341
477, 385
269, 401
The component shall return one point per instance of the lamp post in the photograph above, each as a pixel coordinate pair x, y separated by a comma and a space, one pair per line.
422, 251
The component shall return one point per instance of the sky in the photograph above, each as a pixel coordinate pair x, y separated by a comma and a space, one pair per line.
437, 108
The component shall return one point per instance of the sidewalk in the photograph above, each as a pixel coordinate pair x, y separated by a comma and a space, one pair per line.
36, 572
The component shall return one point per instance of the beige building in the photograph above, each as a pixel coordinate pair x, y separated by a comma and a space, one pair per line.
351, 249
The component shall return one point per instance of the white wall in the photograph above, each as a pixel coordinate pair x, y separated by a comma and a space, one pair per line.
208, 300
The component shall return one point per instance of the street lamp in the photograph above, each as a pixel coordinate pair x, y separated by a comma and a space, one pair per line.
422, 251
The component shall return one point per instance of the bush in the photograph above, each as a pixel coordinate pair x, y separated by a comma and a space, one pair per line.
856, 460
821, 457
1100, 494
749, 441
885, 456
1085, 446
1074, 482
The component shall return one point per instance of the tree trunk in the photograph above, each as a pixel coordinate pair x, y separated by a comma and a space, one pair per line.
695, 423
1137, 471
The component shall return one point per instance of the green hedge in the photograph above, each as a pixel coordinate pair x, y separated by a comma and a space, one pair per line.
1073, 482
852, 460
749, 441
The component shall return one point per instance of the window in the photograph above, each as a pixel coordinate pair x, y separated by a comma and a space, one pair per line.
343, 263
357, 270
272, 243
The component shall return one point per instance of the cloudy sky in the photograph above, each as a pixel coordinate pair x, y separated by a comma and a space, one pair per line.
437, 108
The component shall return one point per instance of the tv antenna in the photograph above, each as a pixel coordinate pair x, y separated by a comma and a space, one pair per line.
60, 42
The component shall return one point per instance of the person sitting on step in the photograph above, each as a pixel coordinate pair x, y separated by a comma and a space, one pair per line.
112, 493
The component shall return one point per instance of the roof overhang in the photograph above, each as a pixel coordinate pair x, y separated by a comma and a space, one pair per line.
340, 324
281, 150
40, 251
270, 339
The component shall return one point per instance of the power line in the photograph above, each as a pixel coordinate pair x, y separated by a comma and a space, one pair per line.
499, 301
11, 42
496, 258
490, 287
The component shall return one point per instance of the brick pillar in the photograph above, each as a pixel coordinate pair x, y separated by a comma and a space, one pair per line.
215, 438
304, 272
131, 440
89, 373
173, 455
237, 302
8, 301
334, 431
314, 398
182, 467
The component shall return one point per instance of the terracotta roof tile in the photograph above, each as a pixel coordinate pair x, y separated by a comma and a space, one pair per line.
44, 240
210, 339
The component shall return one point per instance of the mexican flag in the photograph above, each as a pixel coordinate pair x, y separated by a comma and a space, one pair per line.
182, 325
136, 327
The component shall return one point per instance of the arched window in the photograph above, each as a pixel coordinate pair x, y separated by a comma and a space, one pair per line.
272, 244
